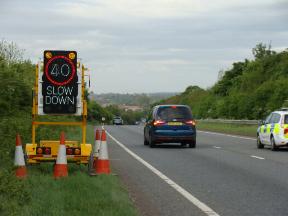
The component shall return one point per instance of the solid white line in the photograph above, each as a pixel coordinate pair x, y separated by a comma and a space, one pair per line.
202, 206
217, 147
216, 133
254, 156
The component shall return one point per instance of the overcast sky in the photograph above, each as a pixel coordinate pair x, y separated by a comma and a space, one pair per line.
135, 46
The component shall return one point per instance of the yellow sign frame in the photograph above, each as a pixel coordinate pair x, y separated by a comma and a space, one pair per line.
82, 124
35, 123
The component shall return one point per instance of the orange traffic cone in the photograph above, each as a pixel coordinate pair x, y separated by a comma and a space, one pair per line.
19, 162
102, 163
96, 148
60, 168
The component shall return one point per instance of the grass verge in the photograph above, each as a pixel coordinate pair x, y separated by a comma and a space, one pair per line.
78, 194
237, 129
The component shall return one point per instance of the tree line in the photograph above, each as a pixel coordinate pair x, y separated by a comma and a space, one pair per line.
249, 90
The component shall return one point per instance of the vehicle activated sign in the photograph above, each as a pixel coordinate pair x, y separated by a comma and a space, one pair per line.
60, 82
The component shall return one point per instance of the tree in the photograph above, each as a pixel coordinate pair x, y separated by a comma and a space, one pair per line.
261, 50
10, 51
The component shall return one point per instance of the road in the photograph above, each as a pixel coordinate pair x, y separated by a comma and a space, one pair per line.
227, 174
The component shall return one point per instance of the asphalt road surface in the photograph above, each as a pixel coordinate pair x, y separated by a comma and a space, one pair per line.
224, 175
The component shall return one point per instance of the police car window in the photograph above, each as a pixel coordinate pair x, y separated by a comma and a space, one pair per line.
276, 118
268, 119
286, 119
272, 118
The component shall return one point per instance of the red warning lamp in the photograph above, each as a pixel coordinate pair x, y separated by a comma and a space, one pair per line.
47, 151
69, 151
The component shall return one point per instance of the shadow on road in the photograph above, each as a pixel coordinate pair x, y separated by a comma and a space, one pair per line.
282, 149
172, 146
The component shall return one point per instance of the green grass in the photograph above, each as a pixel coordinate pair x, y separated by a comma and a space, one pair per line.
237, 129
78, 194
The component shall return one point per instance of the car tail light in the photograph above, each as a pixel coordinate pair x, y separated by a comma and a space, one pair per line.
286, 131
69, 151
158, 122
191, 122
47, 151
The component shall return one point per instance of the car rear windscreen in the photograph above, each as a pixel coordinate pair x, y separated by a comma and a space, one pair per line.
173, 112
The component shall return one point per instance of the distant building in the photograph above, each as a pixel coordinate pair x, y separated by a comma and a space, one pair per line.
130, 107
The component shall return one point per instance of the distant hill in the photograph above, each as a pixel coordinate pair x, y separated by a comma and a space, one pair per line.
143, 100
249, 90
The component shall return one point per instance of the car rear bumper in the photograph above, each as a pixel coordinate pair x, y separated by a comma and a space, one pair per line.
281, 140
166, 139
174, 136
118, 122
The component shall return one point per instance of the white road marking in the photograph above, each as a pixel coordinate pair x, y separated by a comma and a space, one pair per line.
254, 156
202, 206
217, 147
215, 133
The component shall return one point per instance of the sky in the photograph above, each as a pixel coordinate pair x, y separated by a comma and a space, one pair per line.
145, 46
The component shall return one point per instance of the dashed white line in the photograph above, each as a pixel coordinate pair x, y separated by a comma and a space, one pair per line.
217, 147
202, 206
260, 158
215, 133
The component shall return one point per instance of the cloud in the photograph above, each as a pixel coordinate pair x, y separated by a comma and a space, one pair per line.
146, 46
150, 8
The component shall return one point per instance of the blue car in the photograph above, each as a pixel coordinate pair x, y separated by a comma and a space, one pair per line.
170, 124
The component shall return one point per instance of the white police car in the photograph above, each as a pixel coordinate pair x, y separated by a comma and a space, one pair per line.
273, 130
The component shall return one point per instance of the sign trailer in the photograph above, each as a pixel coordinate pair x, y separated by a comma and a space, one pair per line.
59, 90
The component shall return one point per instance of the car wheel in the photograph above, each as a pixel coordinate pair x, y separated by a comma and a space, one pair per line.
145, 141
259, 144
273, 145
192, 144
183, 145
151, 142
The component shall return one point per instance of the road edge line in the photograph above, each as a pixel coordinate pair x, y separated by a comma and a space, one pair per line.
202, 206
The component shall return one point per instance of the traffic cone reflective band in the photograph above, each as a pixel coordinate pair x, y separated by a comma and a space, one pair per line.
60, 168
96, 143
19, 162
102, 163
